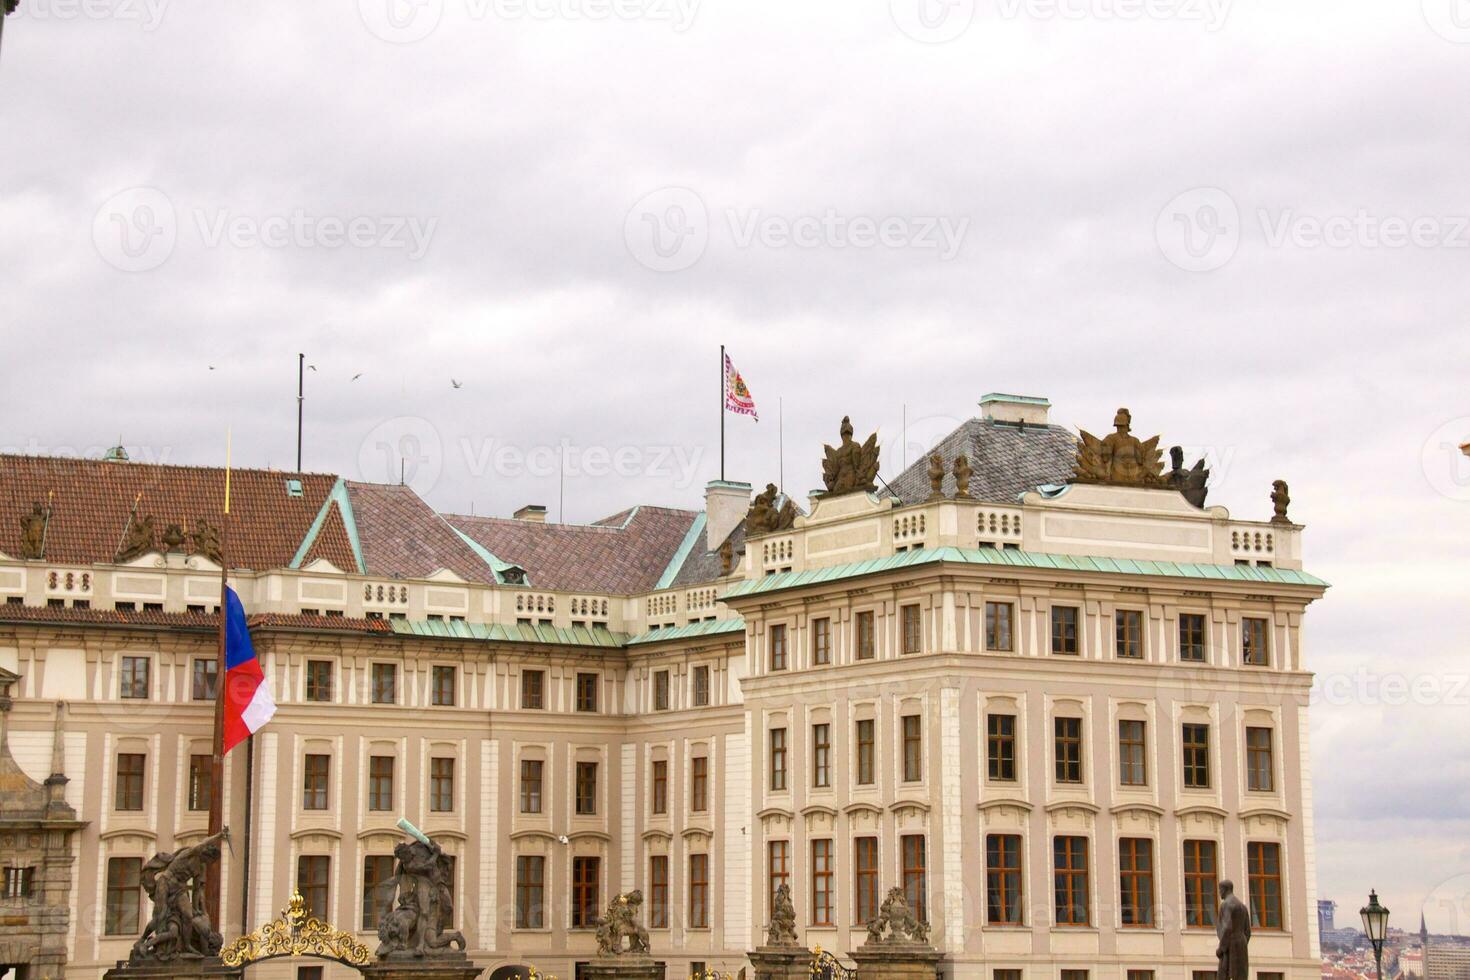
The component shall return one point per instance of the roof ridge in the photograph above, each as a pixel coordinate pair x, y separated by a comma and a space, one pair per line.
136, 464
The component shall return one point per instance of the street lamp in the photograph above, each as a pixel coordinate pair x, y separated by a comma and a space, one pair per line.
1375, 924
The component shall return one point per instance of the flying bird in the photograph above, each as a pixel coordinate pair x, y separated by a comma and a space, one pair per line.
455, 383
357, 375
311, 367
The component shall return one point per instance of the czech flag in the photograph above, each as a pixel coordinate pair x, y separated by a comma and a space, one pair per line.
248, 701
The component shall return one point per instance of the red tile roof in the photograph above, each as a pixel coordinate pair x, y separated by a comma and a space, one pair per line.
92, 501
206, 622
403, 536
619, 555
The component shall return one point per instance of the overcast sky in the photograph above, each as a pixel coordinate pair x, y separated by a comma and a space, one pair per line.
1246, 221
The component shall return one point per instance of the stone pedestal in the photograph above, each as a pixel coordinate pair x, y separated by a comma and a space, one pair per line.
897, 961
184, 968
629, 966
406, 966
781, 963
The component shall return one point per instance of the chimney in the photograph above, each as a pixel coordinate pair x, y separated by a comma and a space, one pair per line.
534, 513
725, 505
1015, 409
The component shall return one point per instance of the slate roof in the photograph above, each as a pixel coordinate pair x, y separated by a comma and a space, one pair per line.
401, 536
92, 501
1006, 460
619, 555
703, 565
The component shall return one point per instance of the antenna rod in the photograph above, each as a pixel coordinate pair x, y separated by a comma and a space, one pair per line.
300, 399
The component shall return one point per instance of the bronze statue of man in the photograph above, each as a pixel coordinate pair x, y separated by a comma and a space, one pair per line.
1233, 927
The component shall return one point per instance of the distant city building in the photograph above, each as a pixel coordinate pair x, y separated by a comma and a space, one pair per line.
1326, 915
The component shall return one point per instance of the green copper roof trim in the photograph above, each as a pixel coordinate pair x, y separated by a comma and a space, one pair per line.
1025, 559
496, 565
687, 545
999, 396
339, 497
508, 633
690, 630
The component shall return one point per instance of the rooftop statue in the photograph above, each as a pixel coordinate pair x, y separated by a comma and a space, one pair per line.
962, 475
137, 540
1121, 458
936, 476
1280, 500
1190, 482
620, 921
764, 517
207, 541
850, 466
33, 533
179, 926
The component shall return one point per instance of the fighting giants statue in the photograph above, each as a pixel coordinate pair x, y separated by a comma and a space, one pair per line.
764, 516
1233, 927
621, 920
419, 921
896, 922
179, 927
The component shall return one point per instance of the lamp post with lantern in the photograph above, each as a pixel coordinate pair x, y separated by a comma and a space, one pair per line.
1375, 924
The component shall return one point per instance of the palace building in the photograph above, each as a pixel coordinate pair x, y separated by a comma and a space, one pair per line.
1035, 681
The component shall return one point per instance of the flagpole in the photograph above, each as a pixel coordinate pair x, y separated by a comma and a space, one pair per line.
723, 382
217, 762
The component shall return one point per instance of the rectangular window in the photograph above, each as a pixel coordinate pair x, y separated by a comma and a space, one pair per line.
1069, 879
999, 617
1075, 975
1263, 869
1258, 768
587, 692
586, 887
206, 672
380, 783
201, 781
914, 874
1129, 627
19, 883
1132, 755
385, 683
909, 620
1064, 630
865, 878
1000, 747
530, 891
533, 690
318, 680
130, 773
313, 873
531, 785
1068, 738
1005, 975
1003, 879
699, 891
444, 685
378, 887
1201, 883
822, 897
1196, 740
701, 686
124, 896
778, 869
865, 774
441, 785
699, 783
586, 789
661, 690
660, 781
913, 750
1255, 647
778, 759
821, 641
658, 891
866, 636
133, 682
1192, 637
314, 772
1140, 975
822, 755
778, 647
1136, 881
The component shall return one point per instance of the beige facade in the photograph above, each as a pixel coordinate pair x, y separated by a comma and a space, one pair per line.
986, 702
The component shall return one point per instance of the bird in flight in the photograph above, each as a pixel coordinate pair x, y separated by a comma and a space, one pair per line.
455, 383
356, 376
311, 367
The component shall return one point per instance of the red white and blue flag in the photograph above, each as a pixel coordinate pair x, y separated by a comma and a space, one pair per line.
737, 397
248, 701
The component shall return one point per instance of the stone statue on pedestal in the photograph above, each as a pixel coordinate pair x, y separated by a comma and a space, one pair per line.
782, 931
1280, 500
621, 920
962, 476
1191, 482
1233, 927
1121, 458
896, 922
424, 891
179, 927
764, 516
851, 466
